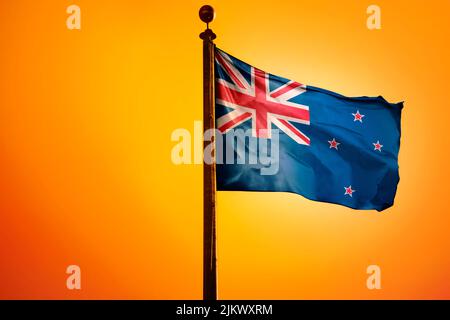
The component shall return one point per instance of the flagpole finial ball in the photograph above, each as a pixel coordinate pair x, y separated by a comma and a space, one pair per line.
207, 14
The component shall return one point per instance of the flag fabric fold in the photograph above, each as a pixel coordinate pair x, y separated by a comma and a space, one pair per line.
331, 148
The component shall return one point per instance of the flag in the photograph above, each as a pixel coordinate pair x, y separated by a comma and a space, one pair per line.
321, 145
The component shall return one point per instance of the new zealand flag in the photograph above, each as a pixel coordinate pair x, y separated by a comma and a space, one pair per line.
330, 148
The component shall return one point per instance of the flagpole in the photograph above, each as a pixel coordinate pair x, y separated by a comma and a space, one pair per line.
207, 14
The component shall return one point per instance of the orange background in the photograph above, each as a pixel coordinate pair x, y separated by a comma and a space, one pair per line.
86, 176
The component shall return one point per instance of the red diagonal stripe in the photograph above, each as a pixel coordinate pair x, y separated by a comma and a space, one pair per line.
235, 121
287, 88
295, 130
230, 72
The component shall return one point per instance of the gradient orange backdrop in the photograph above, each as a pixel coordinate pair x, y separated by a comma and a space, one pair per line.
86, 176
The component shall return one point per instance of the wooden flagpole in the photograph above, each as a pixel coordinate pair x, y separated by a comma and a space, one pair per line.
207, 14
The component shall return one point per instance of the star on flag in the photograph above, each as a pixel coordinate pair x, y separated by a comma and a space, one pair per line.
377, 146
349, 191
358, 116
334, 144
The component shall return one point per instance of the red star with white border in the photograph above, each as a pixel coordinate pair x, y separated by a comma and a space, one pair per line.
377, 146
358, 116
334, 144
349, 191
